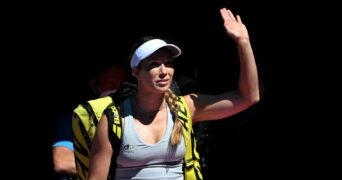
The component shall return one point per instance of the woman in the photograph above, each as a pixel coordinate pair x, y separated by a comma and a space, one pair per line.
152, 144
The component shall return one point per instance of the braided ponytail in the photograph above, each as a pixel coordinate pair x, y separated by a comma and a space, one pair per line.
177, 131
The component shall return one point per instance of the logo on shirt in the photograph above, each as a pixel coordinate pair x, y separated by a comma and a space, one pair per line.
128, 148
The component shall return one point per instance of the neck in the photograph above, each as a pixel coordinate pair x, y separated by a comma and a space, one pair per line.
147, 107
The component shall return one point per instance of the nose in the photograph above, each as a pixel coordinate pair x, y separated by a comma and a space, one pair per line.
162, 69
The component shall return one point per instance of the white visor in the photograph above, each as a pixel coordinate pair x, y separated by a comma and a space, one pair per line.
149, 48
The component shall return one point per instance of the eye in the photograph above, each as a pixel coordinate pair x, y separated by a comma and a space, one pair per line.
154, 64
168, 63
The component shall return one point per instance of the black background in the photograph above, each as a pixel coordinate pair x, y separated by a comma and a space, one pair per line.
57, 44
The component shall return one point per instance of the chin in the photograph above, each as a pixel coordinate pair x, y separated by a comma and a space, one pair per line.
163, 89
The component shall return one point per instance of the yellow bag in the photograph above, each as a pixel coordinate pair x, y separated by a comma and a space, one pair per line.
84, 123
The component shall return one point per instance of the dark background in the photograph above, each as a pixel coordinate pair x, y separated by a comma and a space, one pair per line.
58, 44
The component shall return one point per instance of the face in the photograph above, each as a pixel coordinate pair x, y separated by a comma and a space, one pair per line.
155, 73
109, 81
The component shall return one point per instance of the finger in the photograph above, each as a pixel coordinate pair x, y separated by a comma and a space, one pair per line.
224, 14
239, 19
231, 15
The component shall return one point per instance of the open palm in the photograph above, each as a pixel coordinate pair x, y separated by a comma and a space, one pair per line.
234, 26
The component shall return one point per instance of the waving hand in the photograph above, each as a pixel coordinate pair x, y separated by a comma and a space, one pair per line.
233, 25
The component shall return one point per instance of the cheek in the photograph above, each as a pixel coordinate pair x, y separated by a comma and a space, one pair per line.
153, 72
171, 71
144, 75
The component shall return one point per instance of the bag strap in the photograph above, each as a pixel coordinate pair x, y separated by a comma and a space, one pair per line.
184, 116
191, 166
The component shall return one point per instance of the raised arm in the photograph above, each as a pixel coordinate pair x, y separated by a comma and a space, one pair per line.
101, 152
248, 81
213, 107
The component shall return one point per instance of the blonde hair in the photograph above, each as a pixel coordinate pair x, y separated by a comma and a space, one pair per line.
177, 131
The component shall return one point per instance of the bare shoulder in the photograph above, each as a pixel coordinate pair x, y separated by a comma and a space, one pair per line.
190, 100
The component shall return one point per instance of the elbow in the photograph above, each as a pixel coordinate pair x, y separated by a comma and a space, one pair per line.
250, 95
62, 168
249, 99
253, 100
59, 168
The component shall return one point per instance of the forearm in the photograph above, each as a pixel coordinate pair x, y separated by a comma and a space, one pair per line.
248, 80
64, 161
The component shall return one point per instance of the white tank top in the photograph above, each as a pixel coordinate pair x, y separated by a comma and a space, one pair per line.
138, 160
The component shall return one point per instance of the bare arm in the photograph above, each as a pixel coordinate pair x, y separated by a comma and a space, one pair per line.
101, 152
213, 107
64, 161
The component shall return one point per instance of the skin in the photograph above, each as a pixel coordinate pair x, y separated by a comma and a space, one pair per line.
154, 79
110, 78
64, 161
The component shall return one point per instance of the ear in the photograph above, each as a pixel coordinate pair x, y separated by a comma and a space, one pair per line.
134, 72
